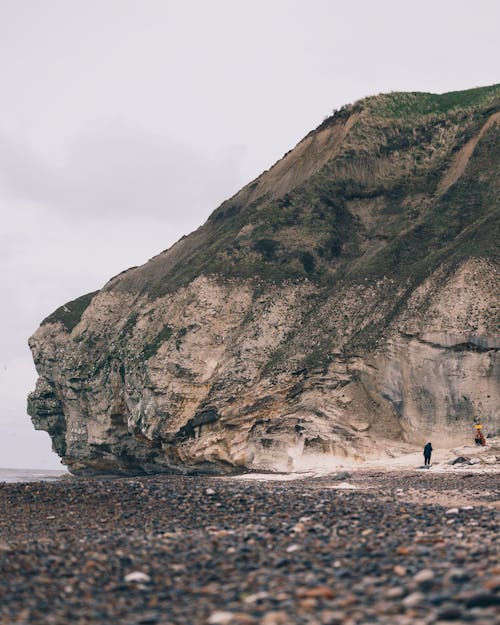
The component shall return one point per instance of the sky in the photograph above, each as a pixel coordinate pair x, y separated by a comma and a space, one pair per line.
125, 123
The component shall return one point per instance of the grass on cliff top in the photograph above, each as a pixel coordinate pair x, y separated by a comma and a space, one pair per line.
70, 314
407, 106
310, 233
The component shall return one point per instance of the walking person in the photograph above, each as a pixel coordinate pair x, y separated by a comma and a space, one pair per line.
427, 454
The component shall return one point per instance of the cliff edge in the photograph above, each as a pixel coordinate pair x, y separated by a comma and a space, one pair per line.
345, 298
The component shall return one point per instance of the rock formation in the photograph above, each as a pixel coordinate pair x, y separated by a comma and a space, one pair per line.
346, 297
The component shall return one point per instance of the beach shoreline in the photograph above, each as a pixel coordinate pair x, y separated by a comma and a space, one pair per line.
376, 546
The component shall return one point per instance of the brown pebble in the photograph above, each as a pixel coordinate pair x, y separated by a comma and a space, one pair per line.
276, 617
492, 584
320, 592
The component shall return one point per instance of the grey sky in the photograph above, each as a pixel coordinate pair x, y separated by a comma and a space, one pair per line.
124, 123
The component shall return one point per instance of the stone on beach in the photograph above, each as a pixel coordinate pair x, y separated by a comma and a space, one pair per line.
137, 577
158, 550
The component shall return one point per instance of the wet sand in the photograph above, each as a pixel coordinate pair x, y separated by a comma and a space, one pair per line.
411, 547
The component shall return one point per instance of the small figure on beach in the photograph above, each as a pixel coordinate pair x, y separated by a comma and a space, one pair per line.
479, 439
427, 454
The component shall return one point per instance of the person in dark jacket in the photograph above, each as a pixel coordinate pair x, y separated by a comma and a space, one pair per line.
427, 454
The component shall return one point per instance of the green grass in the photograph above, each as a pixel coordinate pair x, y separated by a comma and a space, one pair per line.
309, 232
312, 232
70, 314
409, 105
129, 325
152, 348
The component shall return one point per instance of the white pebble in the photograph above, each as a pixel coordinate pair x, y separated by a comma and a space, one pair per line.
258, 596
452, 511
394, 593
292, 548
209, 491
413, 600
138, 577
220, 618
423, 576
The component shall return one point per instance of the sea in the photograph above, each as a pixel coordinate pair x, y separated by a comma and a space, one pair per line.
32, 475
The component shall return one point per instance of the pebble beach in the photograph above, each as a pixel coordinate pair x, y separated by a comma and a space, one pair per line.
388, 547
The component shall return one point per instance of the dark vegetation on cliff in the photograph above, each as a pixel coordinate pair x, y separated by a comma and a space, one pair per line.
323, 229
70, 314
399, 195
375, 209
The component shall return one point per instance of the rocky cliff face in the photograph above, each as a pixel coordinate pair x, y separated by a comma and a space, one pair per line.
346, 298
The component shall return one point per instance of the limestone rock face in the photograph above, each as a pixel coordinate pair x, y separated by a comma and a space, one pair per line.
344, 301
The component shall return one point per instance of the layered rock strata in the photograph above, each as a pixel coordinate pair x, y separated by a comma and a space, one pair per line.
343, 301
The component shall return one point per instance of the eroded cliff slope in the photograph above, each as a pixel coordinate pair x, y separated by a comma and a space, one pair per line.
346, 297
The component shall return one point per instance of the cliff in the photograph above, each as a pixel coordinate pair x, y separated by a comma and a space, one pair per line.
345, 298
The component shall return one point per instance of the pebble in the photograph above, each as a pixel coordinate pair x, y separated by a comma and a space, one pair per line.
413, 599
341, 476
456, 575
493, 584
483, 600
275, 617
292, 548
395, 592
452, 511
450, 613
258, 596
332, 617
322, 592
424, 578
252, 553
148, 618
220, 617
137, 577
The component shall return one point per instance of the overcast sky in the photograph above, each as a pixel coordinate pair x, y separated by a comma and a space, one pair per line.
124, 123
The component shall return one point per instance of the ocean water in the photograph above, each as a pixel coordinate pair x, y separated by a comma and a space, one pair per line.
31, 475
